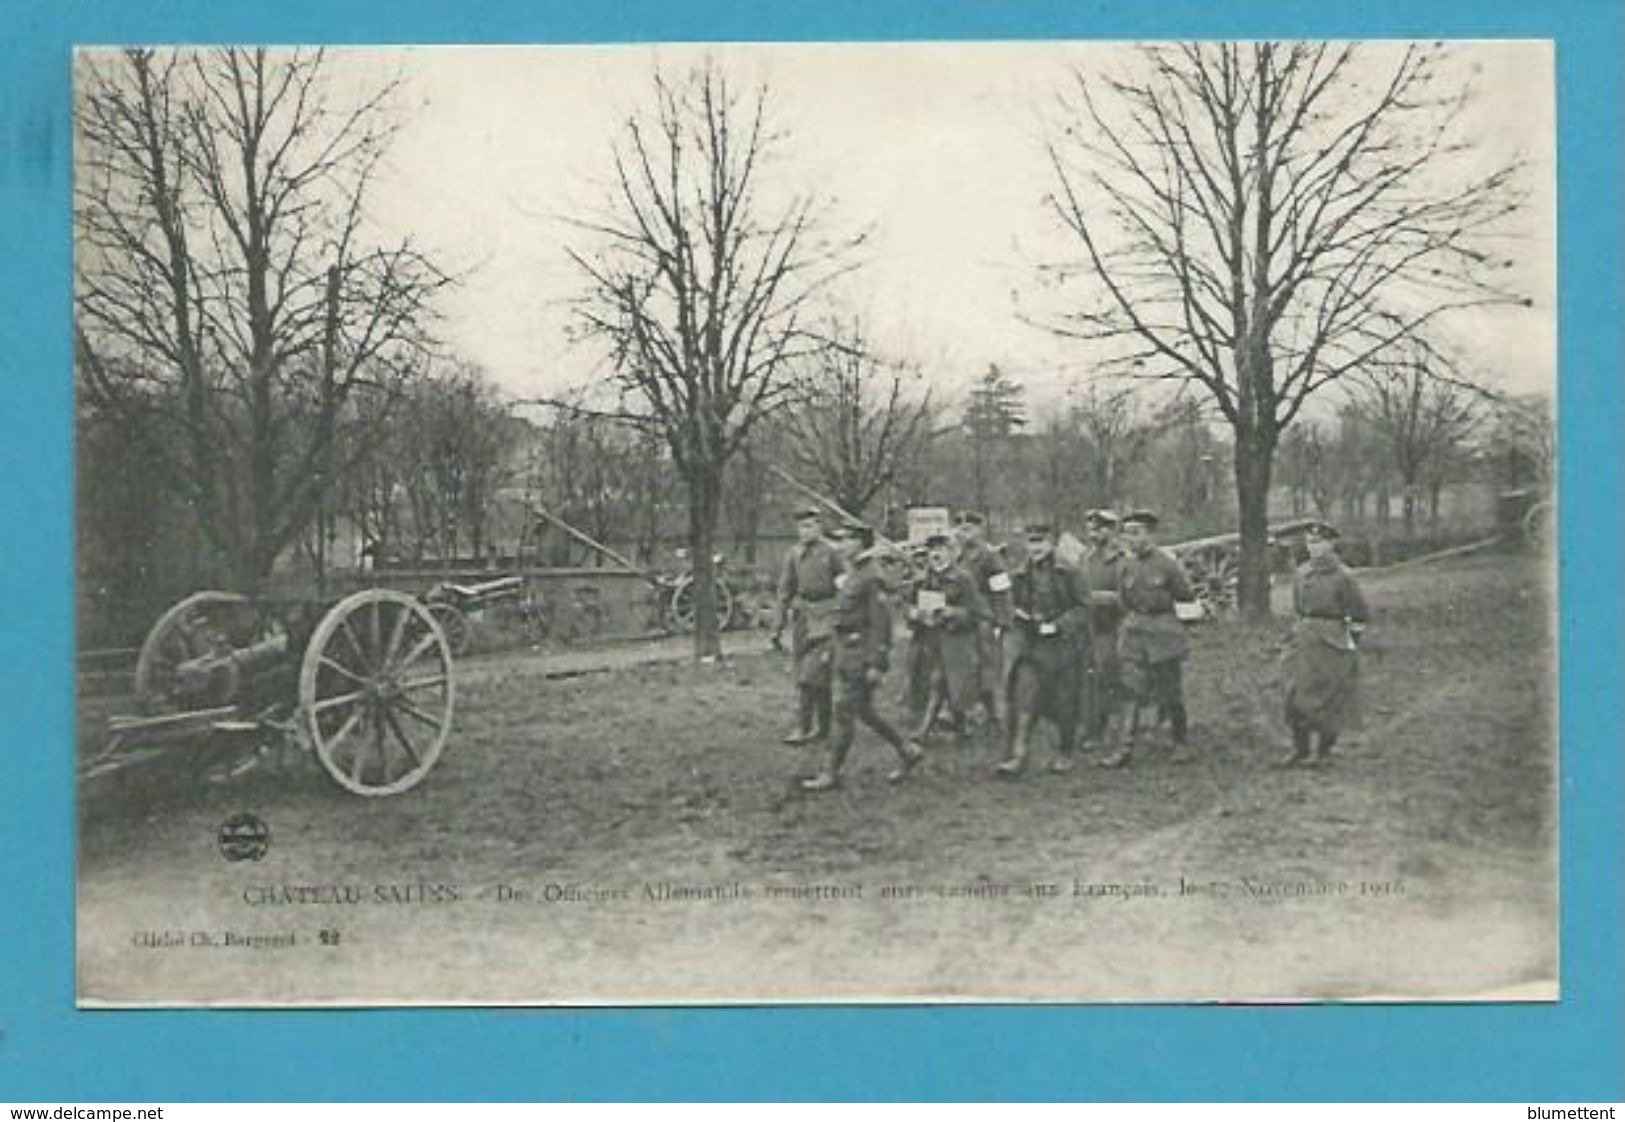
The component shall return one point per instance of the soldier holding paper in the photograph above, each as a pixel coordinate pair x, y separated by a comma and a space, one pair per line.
946, 616
1050, 618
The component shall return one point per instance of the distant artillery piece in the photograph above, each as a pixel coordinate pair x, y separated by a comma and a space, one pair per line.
675, 595
1213, 565
364, 683
455, 606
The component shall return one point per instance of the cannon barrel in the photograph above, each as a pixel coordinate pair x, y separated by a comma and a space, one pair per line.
219, 674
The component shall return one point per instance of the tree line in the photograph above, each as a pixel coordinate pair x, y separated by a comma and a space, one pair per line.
1240, 227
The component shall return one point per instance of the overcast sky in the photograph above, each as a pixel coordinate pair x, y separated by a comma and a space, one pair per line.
937, 148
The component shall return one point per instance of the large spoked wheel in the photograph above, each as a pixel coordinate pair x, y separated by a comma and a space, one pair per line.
375, 692
203, 623
683, 609
1215, 576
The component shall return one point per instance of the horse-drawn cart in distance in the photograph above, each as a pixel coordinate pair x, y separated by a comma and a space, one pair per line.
364, 683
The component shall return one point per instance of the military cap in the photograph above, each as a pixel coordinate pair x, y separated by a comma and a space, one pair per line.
1039, 530
968, 518
1321, 531
1102, 518
809, 514
1146, 518
936, 540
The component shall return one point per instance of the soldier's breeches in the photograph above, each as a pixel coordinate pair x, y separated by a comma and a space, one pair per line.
854, 701
1156, 683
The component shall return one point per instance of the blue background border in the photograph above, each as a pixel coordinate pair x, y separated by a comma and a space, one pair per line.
50, 1052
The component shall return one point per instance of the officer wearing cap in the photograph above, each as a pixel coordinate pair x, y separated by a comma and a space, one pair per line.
1152, 644
1049, 604
1102, 570
988, 573
862, 643
1323, 696
945, 615
807, 597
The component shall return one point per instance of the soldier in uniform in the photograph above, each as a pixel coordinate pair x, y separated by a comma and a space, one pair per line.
1152, 644
1323, 696
945, 615
992, 581
862, 649
1050, 621
1102, 678
807, 602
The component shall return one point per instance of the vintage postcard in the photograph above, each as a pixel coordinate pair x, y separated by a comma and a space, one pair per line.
888, 522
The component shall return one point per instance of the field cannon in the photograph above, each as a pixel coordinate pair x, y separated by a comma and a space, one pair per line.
1213, 565
674, 597
455, 606
365, 683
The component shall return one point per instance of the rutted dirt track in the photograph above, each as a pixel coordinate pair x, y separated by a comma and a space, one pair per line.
658, 804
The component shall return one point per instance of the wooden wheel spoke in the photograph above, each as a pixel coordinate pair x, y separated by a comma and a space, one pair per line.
359, 761
344, 730
422, 715
327, 703
402, 739
375, 633
395, 635
414, 684
355, 644
424, 644
339, 667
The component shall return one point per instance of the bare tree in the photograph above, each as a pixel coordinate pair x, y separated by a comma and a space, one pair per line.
1421, 415
1259, 220
1118, 431
1307, 466
1523, 441
223, 267
700, 281
856, 425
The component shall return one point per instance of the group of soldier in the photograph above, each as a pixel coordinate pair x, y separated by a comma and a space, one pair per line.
1094, 644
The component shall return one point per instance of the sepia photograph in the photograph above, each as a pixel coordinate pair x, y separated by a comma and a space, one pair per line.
714, 524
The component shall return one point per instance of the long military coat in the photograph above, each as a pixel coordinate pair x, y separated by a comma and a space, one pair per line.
1323, 689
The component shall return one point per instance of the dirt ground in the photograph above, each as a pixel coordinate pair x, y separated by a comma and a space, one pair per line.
637, 836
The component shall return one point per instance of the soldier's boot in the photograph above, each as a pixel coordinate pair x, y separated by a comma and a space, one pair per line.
1125, 729
1017, 759
910, 754
933, 708
1183, 753
1300, 747
804, 718
830, 777
1066, 748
